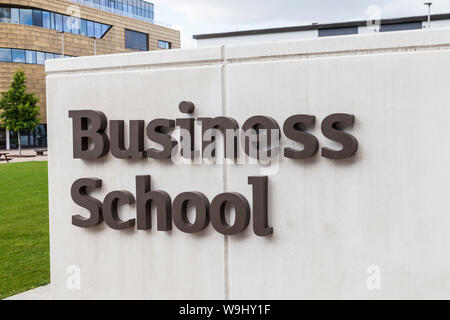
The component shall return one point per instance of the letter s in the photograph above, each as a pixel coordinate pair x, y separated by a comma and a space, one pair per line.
80, 197
294, 128
332, 129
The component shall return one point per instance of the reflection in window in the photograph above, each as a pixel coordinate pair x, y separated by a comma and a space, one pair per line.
66, 24
104, 29
90, 29
137, 9
30, 56
40, 57
58, 22
26, 17
49, 56
51, 20
5, 14
18, 55
163, 44
98, 30
75, 25
136, 40
46, 20
37, 18
5, 55
83, 30
27, 56
15, 16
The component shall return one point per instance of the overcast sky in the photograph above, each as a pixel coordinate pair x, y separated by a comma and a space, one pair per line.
207, 16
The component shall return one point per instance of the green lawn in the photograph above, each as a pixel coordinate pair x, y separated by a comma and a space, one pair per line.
24, 230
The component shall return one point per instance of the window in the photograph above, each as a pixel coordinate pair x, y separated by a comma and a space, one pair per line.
49, 56
41, 135
98, 30
136, 40
75, 25
83, 30
104, 28
5, 15
337, 31
2, 138
66, 24
5, 55
46, 20
401, 26
164, 44
90, 29
37, 18
40, 57
54, 21
30, 56
26, 17
138, 9
15, 16
18, 55
58, 22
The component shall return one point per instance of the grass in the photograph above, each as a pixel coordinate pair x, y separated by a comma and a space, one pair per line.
24, 228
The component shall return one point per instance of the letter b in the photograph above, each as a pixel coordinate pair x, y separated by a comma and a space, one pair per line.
88, 126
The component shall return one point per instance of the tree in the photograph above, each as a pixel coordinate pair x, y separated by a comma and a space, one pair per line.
19, 109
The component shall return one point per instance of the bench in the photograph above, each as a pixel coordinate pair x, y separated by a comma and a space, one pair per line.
5, 155
40, 152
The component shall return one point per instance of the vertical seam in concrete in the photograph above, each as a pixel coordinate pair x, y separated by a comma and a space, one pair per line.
225, 177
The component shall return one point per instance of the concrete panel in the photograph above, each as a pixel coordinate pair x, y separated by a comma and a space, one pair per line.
131, 264
345, 45
333, 219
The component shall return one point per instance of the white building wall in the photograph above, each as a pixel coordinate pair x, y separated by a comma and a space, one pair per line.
332, 220
437, 24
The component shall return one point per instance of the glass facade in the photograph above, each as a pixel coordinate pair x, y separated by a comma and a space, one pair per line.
28, 139
136, 40
51, 20
164, 44
136, 9
27, 56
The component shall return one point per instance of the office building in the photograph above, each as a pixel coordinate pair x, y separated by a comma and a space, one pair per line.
34, 31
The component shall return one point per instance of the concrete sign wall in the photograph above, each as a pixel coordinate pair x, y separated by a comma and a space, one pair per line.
373, 225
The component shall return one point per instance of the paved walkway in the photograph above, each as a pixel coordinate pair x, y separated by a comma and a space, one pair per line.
24, 152
41, 293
